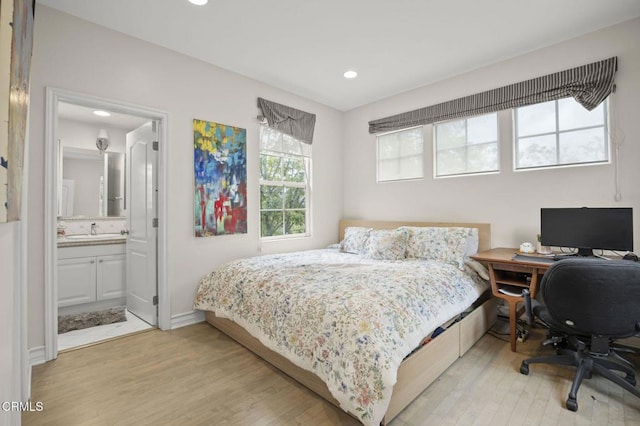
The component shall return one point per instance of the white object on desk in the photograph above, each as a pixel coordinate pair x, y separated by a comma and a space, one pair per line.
527, 248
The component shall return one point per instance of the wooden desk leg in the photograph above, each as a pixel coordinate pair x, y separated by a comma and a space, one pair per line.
513, 313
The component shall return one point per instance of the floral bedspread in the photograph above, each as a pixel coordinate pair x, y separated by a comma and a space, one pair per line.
348, 319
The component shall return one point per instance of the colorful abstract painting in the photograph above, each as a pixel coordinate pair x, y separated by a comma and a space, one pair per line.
220, 162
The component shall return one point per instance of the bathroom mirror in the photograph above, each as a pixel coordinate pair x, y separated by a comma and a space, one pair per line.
91, 184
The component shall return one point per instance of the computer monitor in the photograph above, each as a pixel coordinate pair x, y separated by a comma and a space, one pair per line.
587, 229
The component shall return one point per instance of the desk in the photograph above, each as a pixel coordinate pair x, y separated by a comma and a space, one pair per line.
508, 277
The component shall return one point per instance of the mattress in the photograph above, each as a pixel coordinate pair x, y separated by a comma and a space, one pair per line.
348, 319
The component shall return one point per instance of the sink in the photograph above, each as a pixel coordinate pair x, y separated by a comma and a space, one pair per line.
94, 237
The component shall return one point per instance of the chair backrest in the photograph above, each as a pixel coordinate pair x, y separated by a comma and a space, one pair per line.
594, 296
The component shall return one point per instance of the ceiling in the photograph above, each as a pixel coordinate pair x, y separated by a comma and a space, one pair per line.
304, 46
85, 115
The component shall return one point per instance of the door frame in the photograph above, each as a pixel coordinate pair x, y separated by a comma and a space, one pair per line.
53, 96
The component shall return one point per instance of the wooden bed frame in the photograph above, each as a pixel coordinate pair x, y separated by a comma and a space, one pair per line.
417, 371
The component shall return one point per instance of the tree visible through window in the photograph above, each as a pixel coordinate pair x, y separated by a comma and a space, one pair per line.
284, 184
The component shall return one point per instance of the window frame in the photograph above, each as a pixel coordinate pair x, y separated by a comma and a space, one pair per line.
466, 147
605, 127
306, 185
422, 155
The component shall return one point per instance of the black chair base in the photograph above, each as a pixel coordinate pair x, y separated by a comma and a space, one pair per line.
588, 305
588, 364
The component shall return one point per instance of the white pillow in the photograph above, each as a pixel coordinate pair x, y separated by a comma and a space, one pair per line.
473, 242
355, 239
441, 244
387, 244
478, 268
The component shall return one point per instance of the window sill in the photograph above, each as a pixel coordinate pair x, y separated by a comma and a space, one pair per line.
284, 238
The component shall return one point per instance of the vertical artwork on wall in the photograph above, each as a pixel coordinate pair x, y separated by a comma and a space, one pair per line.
20, 30
220, 165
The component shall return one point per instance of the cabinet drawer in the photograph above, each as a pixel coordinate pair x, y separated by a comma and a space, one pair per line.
91, 251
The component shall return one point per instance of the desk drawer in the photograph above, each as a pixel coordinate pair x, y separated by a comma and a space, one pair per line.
513, 267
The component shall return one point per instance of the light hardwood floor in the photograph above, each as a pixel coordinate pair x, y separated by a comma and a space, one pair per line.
197, 376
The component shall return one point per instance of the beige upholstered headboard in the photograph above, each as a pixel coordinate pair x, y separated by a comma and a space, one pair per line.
484, 229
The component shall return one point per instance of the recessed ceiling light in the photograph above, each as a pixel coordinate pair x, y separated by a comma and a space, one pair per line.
350, 74
199, 2
102, 113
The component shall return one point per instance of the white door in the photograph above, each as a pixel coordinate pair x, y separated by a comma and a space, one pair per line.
68, 189
142, 287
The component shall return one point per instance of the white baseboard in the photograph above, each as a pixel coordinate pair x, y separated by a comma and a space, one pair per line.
36, 356
187, 318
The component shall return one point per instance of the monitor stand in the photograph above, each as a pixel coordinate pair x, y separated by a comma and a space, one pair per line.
582, 252
585, 252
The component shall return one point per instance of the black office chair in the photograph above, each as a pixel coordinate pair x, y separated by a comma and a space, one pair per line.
587, 304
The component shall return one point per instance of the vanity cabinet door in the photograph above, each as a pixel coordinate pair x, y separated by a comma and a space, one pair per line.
111, 275
76, 281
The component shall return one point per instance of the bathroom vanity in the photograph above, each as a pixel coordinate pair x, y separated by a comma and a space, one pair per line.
91, 273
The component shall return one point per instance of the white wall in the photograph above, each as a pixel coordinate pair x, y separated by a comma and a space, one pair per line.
510, 201
82, 135
76, 55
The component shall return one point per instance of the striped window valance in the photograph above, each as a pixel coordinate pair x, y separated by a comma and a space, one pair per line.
290, 121
588, 84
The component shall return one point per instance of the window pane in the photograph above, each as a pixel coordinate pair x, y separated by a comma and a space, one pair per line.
536, 119
537, 151
270, 139
271, 224
582, 146
270, 167
482, 158
294, 198
411, 146
451, 135
284, 161
572, 115
580, 137
293, 169
388, 148
466, 146
294, 222
482, 129
389, 170
400, 155
411, 167
271, 197
451, 162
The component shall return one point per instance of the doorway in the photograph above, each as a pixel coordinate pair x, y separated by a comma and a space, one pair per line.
155, 279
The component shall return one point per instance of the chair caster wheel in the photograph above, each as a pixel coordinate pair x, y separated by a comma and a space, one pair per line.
630, 379
524, 369
572, 404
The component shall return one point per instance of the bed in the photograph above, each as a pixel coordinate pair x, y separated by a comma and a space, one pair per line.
351, 323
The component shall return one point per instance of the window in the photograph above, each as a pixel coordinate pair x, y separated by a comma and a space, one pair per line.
284, 184
400, 155
467, 146
559, 133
